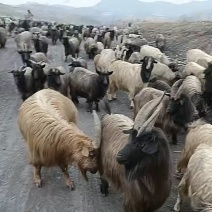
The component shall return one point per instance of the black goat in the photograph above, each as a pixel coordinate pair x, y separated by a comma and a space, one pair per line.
89, 85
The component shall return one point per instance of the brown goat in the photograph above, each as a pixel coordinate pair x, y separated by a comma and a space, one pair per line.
47, 121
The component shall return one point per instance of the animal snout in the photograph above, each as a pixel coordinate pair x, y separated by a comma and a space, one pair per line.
93, 170
120, 159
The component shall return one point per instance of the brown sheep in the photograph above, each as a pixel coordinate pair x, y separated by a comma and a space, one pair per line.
48, 123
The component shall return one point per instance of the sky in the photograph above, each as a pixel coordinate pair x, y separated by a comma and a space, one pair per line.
76, 3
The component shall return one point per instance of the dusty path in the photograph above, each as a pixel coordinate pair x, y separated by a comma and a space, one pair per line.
17, 191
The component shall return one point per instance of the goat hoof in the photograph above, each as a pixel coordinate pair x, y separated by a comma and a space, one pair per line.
104, 189
38, 183
89, 110
70, 184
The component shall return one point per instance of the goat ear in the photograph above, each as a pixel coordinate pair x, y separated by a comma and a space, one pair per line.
11, 72
98, 72
43, 66
109, 73
127, 131
61, 73
151, 147
85, 151
168, 94
155, 61
142, 60
30, 52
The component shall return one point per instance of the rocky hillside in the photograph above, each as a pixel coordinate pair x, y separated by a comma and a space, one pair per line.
181, 36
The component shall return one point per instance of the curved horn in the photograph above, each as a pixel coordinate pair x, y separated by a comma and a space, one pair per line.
148, 125
145, 112
98, 130
175, 87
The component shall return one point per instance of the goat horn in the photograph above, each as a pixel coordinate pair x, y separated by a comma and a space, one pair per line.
146, 111
148, 125
175, 87
98, 130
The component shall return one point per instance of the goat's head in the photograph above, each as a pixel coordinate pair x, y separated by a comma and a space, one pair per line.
18, 75
147, 67
147, 145
120, 52
182, 110
25, 55
53, 77
89, 152
103, 78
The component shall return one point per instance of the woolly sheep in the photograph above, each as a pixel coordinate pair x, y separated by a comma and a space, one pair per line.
196, 182
193, 55
129, 77
48, 123
193, 68
147, 50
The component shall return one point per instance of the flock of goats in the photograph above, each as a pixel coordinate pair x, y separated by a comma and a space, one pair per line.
132, 155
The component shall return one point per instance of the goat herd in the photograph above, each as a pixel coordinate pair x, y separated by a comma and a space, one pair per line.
131, 155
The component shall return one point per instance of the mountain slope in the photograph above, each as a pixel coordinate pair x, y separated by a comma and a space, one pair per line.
107, 11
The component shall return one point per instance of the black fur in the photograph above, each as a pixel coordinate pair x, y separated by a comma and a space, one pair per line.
146, 73
207, 93
25, 56
182, 111
96, 90
40, 46
54, 36
160, 85
69, 48
54, 80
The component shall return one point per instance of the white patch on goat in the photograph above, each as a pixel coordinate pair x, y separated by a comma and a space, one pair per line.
149, 64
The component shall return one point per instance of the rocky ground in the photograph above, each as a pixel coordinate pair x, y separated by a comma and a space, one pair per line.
17, 191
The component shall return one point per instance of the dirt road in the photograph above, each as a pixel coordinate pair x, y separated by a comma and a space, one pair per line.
17, 190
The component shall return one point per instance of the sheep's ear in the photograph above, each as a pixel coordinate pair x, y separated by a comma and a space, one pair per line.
61, 73
142, 60
85, 151
155, 61
151, 147
11, 72
43, 66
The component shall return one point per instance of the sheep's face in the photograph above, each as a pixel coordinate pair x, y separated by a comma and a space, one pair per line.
120, 52
147, 67
174, 67
136, 154
88, 160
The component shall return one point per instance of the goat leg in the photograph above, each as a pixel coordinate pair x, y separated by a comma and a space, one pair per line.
90, 104
68, 181
104, 187
97, 106
174, 138
37, 175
